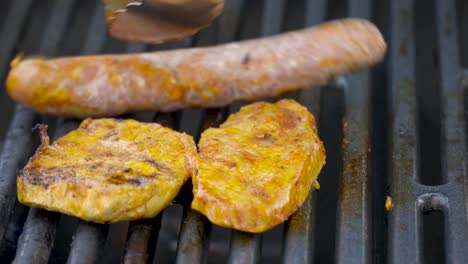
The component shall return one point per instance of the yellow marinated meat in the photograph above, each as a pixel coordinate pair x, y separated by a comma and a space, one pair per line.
108, 170
258, 167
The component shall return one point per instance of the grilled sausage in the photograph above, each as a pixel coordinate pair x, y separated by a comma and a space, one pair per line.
109, 85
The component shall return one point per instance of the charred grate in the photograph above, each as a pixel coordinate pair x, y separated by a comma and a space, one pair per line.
374, 124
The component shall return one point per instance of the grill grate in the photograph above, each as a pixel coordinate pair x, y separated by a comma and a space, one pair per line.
413, 197
344, 223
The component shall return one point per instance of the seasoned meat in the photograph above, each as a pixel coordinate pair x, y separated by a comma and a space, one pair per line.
258, 167
108, 170
109, 85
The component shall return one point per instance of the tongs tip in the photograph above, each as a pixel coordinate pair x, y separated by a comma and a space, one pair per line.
159, 21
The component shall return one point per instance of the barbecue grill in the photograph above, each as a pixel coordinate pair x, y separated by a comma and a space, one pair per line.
397, 130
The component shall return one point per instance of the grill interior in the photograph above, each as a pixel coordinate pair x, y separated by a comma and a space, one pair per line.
396, 130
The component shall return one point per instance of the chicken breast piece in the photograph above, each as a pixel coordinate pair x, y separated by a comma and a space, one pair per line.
108, 170
258, 167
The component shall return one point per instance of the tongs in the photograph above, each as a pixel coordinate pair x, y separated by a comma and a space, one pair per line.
159, 21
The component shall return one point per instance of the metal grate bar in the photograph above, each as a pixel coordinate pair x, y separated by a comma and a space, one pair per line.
353, 226
298, 247
353, 201
402, 219
245, 248
26, 113
56, 27
193, 237
96, 36
18, 146
315, 11
230, 21
41, 223
272, 16
88, 243
141, 240
36, 240
454, 137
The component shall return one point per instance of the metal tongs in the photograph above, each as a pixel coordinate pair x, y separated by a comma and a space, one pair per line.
159, 21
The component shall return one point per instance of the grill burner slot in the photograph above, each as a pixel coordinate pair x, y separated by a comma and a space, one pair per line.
462, 26
432, 210
428, 95
433, 237
330, 126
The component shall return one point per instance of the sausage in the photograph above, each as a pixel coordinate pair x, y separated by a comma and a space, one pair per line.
110, 85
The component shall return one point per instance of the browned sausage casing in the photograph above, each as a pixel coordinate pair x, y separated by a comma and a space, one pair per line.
109, 85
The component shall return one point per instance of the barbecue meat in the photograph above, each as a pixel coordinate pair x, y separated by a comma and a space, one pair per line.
165, 81
258, 167
108, 170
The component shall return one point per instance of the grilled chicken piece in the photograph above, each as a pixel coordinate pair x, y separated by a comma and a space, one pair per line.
108, 170
258, 167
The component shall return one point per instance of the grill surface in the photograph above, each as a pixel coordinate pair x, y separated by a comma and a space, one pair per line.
375, 125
